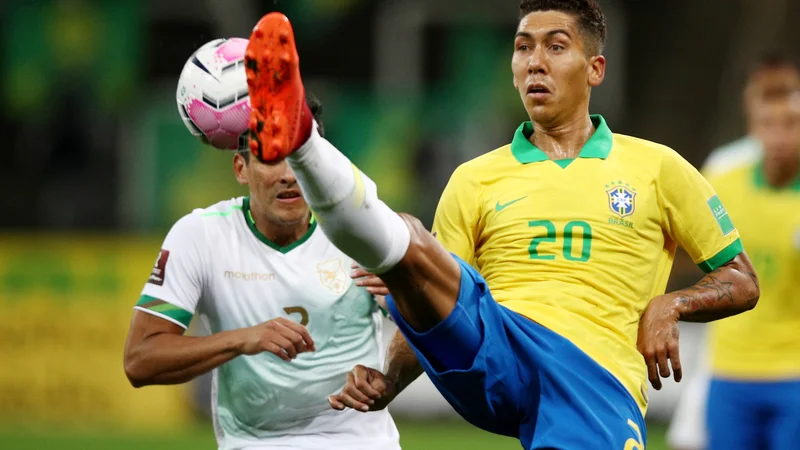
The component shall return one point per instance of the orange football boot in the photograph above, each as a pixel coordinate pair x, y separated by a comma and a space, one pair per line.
280, 120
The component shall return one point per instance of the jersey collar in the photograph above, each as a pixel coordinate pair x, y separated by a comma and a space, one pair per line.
598, 145
761, 181
251, 223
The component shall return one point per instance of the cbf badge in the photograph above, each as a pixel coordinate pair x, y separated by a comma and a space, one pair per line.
621, 199
333, 276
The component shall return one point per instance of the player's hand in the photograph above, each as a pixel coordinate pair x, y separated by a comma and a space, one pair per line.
658, 340
280, 336
366, 389
371, 282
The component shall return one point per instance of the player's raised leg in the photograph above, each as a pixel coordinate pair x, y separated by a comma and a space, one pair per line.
440, 303
422, 276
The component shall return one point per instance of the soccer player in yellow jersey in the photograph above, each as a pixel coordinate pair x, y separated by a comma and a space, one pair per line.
772, 77
755, 357
573, 227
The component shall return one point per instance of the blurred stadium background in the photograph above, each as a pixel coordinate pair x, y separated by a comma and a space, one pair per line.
96, 166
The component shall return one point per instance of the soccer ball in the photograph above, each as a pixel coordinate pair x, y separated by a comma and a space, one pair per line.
212, 94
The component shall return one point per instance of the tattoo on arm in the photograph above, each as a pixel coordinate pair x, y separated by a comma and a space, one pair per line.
729, 290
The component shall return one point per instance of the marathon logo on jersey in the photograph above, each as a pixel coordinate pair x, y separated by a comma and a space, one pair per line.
721, 215
159, 268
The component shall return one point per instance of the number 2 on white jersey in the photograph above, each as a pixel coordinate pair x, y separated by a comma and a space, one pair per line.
298, 310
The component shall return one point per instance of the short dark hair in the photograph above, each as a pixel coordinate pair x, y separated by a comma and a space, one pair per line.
590, 18
316, 110
772, 61
775, 89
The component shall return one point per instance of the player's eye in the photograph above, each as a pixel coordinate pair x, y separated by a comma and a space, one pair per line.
523, 47
557, 47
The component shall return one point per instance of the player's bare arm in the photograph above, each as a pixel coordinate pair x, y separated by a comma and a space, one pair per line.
731, 289
157, 352
368, 389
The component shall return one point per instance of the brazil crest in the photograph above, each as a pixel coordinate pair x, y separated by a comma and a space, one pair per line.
621, 200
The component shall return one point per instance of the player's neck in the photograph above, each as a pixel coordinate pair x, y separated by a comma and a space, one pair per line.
564, 140
781, 173
281, 234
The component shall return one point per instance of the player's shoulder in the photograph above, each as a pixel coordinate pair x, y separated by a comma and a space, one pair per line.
198, 219
220, 209
741, 152
220, 212
745, 146
643, 148
734, 176
485, 164
647, 156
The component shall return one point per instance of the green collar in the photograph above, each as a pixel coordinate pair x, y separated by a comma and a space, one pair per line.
251, 223
760, 180
598, 145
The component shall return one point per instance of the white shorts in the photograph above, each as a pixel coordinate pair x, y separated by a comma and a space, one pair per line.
365, 445
687, 429
336, 430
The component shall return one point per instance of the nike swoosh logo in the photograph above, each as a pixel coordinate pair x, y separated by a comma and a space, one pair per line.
499, 207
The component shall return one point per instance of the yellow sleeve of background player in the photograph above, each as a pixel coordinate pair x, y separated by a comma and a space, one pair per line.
456, 219
693, 215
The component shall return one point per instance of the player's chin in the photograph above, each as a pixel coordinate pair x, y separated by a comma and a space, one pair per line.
540, 112
291, 211
781, 155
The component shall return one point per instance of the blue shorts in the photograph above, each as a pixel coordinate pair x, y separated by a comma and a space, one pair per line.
509, 375
753, 415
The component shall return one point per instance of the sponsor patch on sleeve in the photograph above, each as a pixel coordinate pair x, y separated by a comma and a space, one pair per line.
159, 268
721, 215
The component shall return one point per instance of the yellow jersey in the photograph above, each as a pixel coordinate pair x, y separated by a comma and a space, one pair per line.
763, 344
581, 246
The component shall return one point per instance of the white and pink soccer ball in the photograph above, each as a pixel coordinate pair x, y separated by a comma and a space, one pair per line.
212, 94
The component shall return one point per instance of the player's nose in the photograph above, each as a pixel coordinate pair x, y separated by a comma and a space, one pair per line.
287, 176
538, 61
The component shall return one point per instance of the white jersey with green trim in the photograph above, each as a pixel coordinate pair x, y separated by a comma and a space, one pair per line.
217, 267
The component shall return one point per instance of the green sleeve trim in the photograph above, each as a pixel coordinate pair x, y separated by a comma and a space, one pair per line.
166, 310
725, 255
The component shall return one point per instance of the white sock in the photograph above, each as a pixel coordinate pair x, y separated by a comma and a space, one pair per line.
346, 205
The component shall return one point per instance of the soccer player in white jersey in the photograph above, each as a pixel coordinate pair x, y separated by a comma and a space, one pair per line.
284, 321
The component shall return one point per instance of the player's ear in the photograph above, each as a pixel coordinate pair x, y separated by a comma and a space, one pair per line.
239, 168
597, 70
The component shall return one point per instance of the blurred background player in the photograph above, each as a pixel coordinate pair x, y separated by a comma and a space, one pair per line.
773, 72
283, 319
584, 257
769, 115
755, 358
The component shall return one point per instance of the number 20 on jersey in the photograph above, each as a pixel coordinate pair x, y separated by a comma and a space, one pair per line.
575, 244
